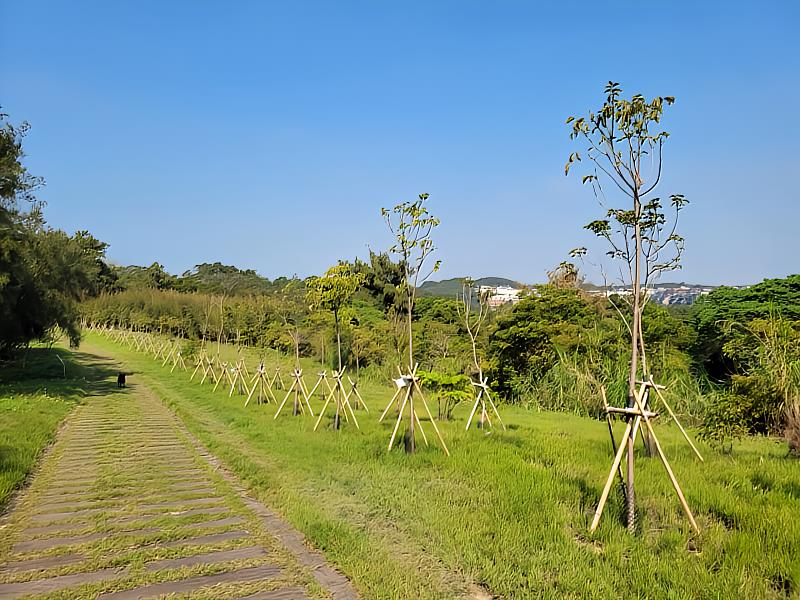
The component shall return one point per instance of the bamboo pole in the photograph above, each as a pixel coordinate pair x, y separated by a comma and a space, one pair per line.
304, 392
399, 418
218, 380
614, 466
322, 376
675, 418
391, 402
282, 404
322, 412
169, 355
197, 367
474, 407
206, 368
630, 427
354, 390
421, 430
256, 382
494, 408
671, 475
430, 416
613, 441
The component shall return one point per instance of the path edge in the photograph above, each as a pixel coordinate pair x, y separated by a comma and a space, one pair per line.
327, 576
19, 493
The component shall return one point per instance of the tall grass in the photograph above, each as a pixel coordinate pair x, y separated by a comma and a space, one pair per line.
573, 384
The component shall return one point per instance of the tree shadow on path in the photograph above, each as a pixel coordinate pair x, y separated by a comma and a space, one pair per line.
61, 372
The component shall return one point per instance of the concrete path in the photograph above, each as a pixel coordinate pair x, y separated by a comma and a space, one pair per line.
127, 504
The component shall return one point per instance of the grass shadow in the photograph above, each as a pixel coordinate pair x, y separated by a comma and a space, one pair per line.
59, 371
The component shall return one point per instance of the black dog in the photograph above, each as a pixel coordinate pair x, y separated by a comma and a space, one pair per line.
121, 380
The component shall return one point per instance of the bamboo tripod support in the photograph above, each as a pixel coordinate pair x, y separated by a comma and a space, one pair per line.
663, 400
298, 388
177, 361
260, 382
238, 377
408, 386
223, 373
209, 370
481, 398
200, 364
136, 339
277, 380
635, 417
322, 380
174, 347
340, 397
160, 349
400, 383
354, 392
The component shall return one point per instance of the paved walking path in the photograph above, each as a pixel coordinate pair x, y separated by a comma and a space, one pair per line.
128, 505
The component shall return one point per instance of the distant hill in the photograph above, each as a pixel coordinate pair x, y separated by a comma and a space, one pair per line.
450, 288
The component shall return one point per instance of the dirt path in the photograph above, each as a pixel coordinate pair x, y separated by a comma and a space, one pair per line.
127, 504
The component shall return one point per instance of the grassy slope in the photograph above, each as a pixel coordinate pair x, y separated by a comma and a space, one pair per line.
34, 398
510, 511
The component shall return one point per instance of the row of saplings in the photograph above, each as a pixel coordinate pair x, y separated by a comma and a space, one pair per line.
332, 291
639, 233
338, 391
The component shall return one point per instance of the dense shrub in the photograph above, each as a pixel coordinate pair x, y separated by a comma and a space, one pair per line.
725, 420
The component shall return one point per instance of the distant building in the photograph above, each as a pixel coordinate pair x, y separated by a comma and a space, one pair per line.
667, 295
500, 295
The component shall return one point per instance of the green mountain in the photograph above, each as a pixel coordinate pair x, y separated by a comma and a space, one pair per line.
451, 288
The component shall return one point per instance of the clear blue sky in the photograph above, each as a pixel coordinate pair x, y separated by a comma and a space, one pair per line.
269, 134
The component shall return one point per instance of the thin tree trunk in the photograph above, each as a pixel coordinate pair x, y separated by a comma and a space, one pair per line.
336, 418
648, 444
410, 445
296, 336
338, 338
221, 323
634, 367
410, 336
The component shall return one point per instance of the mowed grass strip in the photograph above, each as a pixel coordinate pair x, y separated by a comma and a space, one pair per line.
508, 511
35, 396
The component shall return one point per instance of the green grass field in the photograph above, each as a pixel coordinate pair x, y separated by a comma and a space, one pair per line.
508, 512
36, 393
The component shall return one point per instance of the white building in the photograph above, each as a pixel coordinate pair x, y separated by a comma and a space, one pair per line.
501, 294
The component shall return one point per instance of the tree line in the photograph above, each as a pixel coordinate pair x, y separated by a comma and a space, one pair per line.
552, 350
44, 272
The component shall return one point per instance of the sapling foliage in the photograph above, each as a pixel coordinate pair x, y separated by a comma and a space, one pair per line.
332, 292
473, 311
412, 225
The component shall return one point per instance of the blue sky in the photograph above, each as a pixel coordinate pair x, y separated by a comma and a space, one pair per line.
269, 134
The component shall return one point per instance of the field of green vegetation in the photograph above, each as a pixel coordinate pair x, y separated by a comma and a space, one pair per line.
508, 512
36, 392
